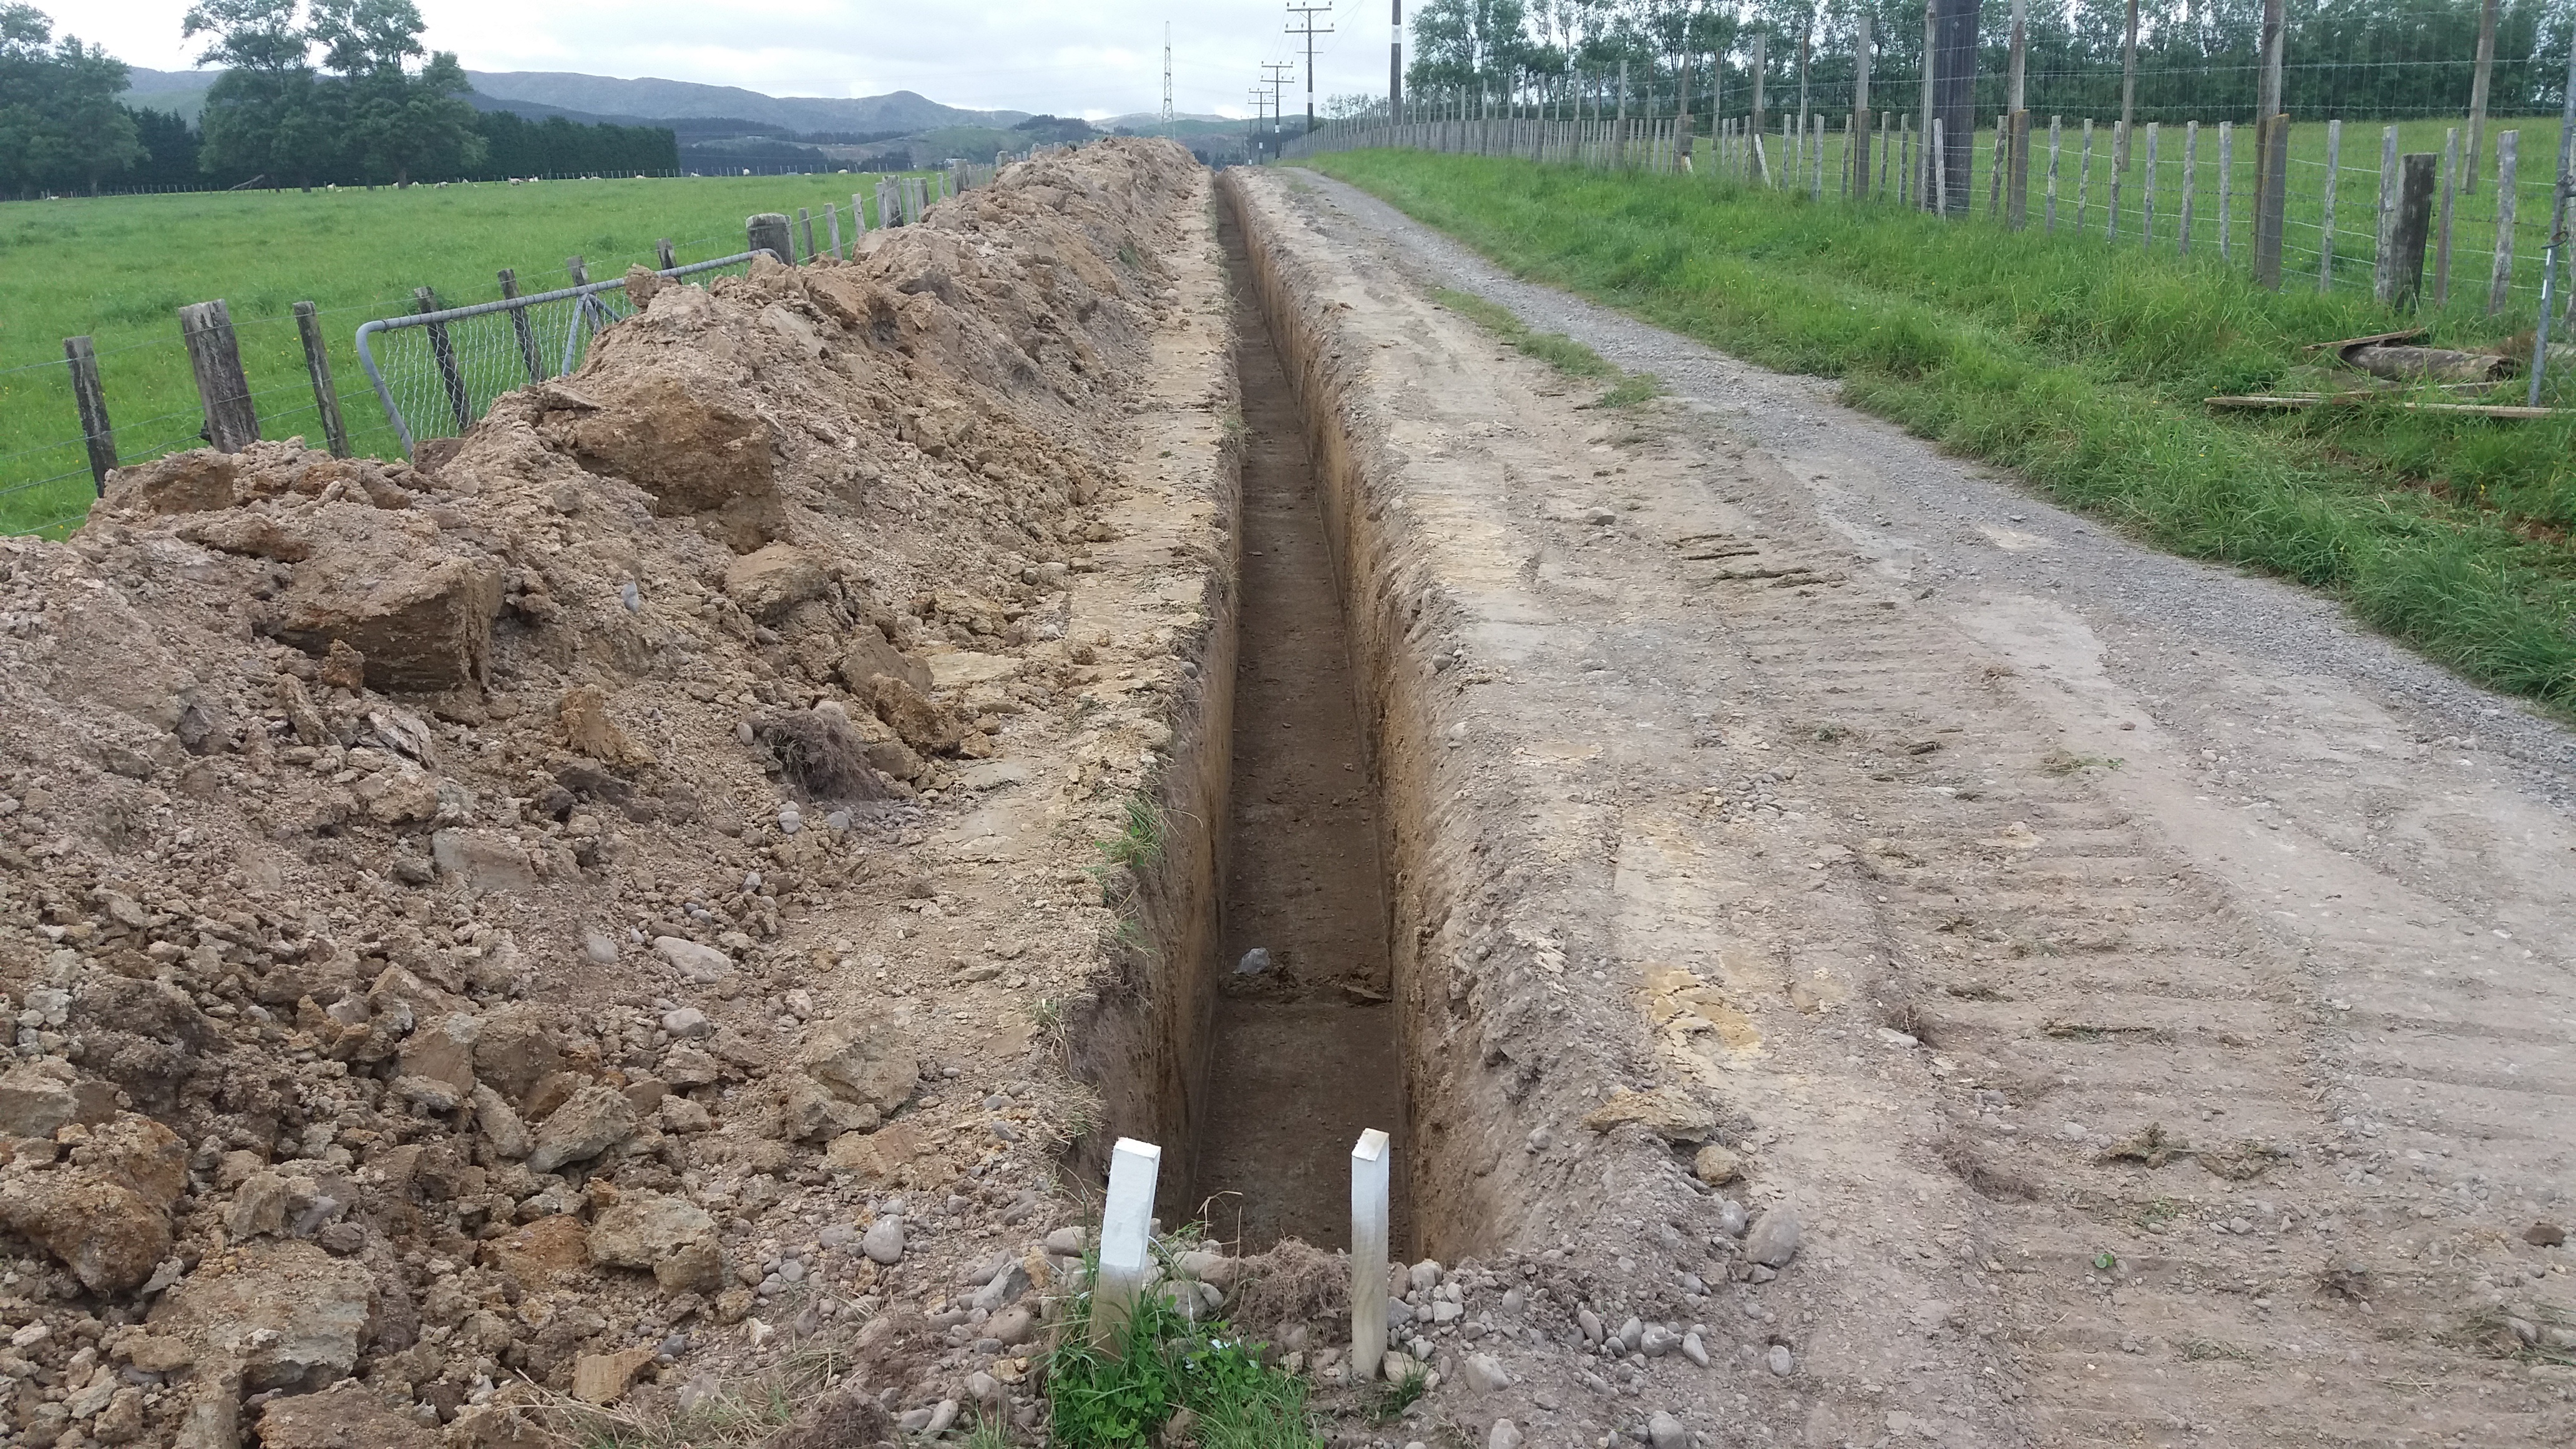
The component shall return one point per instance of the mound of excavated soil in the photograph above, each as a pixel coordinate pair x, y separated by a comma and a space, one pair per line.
420, 884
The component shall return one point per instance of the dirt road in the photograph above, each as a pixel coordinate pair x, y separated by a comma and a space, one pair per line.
2149, 992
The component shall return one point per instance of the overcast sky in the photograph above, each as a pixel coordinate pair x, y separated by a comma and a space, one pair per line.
1072, 57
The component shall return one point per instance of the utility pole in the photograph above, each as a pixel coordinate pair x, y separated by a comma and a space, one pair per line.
1167, 80
1305, 26
1278, 78
1258, 101
1395, 65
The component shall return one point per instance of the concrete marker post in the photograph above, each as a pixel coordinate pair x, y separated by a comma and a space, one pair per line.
1371, 1159
1126, 1239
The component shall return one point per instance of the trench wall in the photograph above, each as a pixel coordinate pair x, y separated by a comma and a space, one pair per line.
1460, 1119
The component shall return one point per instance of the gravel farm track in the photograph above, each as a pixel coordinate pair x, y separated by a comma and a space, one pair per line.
2151, 991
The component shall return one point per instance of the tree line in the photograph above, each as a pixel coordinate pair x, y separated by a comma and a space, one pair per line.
313, 92
2195, 58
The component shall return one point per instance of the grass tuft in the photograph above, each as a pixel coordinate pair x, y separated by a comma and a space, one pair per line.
1168, 1363
2083, 365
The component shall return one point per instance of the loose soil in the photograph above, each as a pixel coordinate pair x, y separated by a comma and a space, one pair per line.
1305, 1054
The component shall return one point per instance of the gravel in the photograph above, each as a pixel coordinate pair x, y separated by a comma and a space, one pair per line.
1935, 503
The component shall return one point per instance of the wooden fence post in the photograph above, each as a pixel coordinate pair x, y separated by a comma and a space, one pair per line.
805, 222
2326, 227
2147, 193
858, 219
578, 270
2190, 182
2119, 173
2407, 231
2383, 270
92, 405
2056, 142
670, 259
441, 348
768, 232
2084, 177
2272, 199
317, 365
2500, 275
832, 220
2017, 188
2442, 228
528, 353
232, 424
2226, 183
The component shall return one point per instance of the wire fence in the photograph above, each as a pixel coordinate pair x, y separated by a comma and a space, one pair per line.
47, 484
2184, 173
436, 373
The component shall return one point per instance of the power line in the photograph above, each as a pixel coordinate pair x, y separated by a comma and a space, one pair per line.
1305, 26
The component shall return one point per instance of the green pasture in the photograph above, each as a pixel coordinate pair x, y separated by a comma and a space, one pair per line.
2084, 364
119, 268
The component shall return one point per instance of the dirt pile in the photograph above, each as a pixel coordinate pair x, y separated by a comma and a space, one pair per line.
470, 929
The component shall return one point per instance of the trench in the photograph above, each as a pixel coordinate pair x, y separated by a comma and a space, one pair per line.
1305, 1051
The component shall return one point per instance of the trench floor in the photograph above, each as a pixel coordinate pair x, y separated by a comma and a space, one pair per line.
1305, 1054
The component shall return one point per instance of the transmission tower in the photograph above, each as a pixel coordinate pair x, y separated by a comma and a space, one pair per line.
1305, 26
1167, 80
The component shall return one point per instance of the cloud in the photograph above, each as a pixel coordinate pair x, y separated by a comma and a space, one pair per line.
1071, 57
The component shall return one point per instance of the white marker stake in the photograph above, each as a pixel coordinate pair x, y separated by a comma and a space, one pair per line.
1125, 1229
1369, 1161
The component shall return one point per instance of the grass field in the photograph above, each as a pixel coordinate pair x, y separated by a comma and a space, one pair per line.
2083, 365
2084, 195
118, 269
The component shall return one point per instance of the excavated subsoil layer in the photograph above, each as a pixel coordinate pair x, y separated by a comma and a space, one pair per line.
1304, 1046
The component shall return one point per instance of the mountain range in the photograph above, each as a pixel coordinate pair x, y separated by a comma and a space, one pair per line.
538, 94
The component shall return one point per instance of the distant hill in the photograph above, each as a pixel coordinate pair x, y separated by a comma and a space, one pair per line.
1148, 122
539, 94
663, 100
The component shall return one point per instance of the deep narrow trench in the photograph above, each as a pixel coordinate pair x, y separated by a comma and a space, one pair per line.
1304, 1053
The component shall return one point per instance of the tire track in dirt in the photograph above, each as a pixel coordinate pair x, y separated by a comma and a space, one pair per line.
2107, 883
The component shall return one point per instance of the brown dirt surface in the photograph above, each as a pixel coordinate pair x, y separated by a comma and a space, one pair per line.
436, 863
2154, 1043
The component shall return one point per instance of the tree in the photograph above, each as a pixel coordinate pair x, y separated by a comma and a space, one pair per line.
362, 114
60, 123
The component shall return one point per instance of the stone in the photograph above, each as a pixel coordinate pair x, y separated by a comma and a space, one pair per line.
1663, 1431
912, 715
483, 860
1715, 1165
537, 1254
1780, 1361
603, 1378
770, 580
1505, 1435
1424, 1275
106, 1214
1484, 1373
642, 1228
1773, 1240
1012, 1326
501, 1124
1067, 1242
1005, 1289
687, 1023
1658, 1341
1631, 1333
2545, 1234
1694, 1350
695, 1267
869, 655
121, 1422
1668, 1112
401, 796
1398, 1366
416, 602
696, 963
348, 1415
588, 731
258, 1207
596, 1119
36, 1098
866, 1061
1253, 962
1590, 1323
599, 947
679, 1114
1730, 1217
687, 439
292, 1314
151, 1354
444, 1050
960, 669
883, 1241
514, 1051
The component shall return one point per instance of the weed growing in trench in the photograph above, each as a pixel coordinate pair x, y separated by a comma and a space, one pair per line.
1553, 348
1394, 1397
1167, 1364
1139, 841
